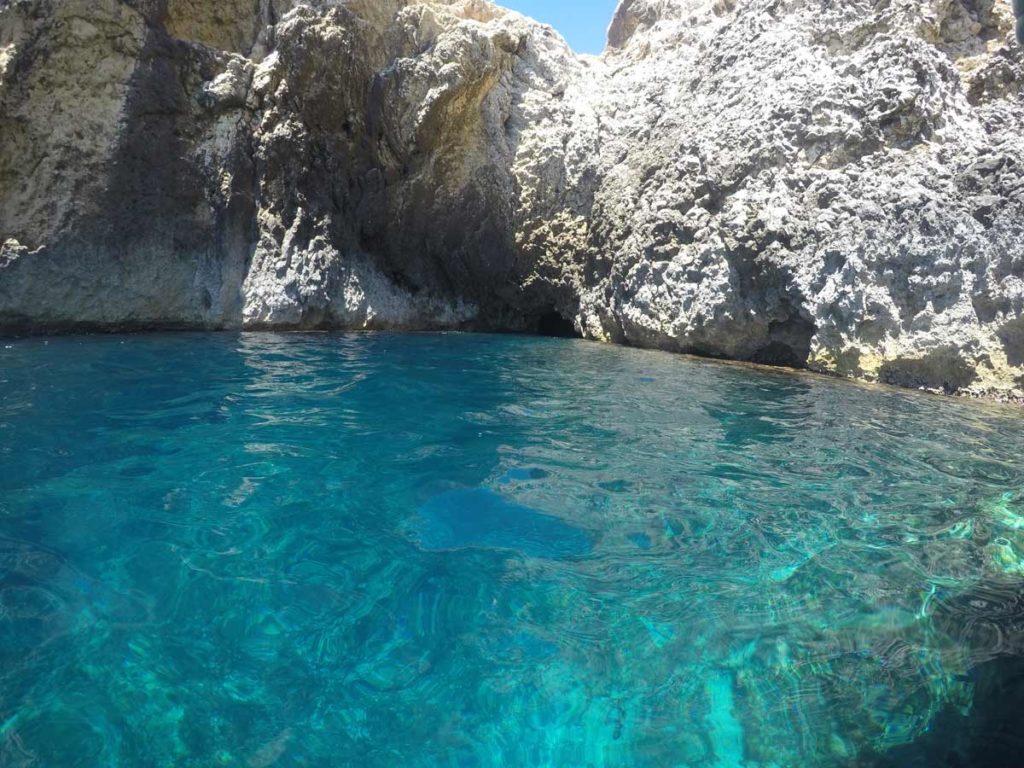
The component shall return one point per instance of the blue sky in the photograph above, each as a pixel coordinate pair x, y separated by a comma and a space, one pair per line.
582, 23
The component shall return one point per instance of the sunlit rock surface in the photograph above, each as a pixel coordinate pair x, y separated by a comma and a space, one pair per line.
836, 185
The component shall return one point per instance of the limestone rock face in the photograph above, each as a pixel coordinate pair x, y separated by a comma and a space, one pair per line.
802, 182
835, 185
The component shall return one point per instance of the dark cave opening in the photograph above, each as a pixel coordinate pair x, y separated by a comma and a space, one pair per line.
777, 353
789, 343
553, 323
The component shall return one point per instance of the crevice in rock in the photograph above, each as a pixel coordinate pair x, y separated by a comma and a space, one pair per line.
1012, 337
554, 323
771, 288
780, 354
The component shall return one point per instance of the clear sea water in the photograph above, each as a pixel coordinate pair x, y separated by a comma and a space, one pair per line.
447, 550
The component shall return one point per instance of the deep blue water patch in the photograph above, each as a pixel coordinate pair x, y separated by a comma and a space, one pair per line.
523, 474
445, 550
481, 518
641, 539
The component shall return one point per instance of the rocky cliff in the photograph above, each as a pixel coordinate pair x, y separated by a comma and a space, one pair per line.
837, 185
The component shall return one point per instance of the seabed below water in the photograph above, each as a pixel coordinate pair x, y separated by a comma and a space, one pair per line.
447, 550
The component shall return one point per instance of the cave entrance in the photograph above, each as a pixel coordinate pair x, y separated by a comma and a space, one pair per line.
552, 323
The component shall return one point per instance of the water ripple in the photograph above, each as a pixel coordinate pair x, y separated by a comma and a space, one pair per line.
439, 549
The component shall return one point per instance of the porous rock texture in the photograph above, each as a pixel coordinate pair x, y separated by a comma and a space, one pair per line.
821, 183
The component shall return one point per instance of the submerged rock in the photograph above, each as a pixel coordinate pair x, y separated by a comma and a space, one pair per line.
480, 518
830, 185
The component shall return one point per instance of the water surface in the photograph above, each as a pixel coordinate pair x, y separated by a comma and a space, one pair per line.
445, 550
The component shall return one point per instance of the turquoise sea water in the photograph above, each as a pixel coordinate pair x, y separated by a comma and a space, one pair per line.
446, 550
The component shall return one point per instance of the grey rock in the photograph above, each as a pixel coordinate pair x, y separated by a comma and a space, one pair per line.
799, 182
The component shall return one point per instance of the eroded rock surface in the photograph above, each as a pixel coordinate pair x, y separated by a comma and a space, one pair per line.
799, 182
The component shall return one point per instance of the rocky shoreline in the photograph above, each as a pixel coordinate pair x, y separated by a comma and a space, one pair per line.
831, 186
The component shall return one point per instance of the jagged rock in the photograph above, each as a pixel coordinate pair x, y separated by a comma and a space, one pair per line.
800, 182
